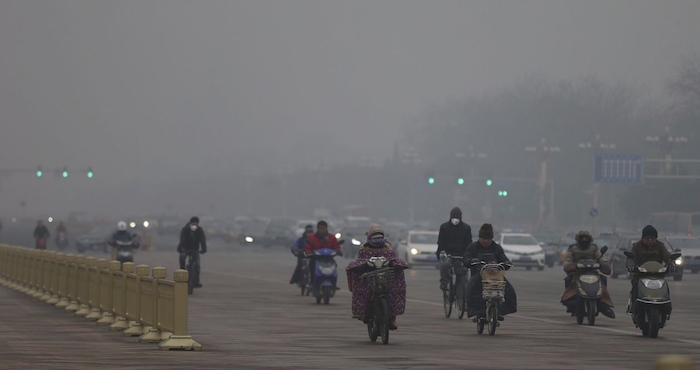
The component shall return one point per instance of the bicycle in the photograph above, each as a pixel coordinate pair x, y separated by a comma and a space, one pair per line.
493, 284
190, 271
381, 279
456, 288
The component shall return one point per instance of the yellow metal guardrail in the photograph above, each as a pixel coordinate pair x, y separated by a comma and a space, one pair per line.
122, 297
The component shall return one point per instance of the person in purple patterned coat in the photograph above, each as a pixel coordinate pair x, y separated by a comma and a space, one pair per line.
376, 246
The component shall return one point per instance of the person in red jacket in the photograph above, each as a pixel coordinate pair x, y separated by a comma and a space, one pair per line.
319, 240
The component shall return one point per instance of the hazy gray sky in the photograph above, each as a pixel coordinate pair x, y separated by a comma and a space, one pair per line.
189, 88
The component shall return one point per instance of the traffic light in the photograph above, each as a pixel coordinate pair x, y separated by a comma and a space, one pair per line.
460, 180
431, 177
489, 182
65, 172
39, 172
502, 193
90, 174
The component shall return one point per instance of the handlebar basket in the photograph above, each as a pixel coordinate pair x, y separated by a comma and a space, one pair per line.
380, 279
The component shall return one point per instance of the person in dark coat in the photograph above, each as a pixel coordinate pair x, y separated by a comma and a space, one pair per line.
486, 250
453, 239
191, 238
41, 235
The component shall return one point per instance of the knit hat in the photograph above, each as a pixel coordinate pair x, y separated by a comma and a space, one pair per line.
486, 231
374, 229
309, 229
456, 213
649, 231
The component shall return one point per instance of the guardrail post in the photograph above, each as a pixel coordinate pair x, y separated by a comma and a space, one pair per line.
22, 287
55, 267
46, 276
84, 286
73, 281
96, 290
107, 307
180, 339
63, 280
39, 274
32, 257
120, 299
674, 362
151, 333
135, 329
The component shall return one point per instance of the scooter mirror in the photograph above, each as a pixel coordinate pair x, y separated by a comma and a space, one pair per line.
604, 249
675, 256
628, 254
341, 241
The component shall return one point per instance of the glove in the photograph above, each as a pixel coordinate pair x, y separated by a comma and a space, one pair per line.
179, 249
631, 268
475, 261
203, 251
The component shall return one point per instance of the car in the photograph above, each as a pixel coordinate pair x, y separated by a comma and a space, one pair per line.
420, 246
618, 260
689, 247
251, 231
279, 232
97, 238
523, 250
549, 242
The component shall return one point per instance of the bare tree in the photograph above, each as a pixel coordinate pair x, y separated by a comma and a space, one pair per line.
685, 86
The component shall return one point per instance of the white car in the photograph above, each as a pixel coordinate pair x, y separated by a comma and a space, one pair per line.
523, 250
419, 247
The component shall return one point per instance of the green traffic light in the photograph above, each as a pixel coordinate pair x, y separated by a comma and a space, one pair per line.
500, 193
460, 181
505, 193
489, 182
39, 173
89, 175
431, 180
65, 174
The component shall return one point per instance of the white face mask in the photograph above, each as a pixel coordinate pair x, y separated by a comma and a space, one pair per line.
193, 227
455, 221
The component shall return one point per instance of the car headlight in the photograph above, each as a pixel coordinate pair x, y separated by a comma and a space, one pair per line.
338, 235
356, 242
414, 251
679, 261
248, 239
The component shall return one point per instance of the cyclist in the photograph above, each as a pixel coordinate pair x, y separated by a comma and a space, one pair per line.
191, 238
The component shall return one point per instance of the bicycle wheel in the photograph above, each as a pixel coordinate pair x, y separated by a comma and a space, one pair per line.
372, 331
479, 325
492, 316
461, 299
448, 298
384, 322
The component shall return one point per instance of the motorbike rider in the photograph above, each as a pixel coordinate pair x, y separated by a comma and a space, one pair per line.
298, 250
376, 246
649, 248
41, 234
485, 249
121, 235
319, 240
60, 229
453, 239
584, 249
191, 238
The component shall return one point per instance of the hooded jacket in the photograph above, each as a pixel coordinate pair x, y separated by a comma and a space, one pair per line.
643, 254
454, 239
190, 241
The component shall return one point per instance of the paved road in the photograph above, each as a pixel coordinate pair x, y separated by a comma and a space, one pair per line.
247, 316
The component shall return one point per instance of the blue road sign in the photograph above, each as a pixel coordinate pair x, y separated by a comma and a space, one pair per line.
593, 212
625, 169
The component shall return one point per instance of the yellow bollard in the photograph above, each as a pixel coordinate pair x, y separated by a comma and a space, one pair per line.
55, 267
46, 278
63, 280
73, 281
84, 287
119, 296
106, 297
31, 272
133, 305
152, 334
674, 362
96, 278
180, 339
22, 286
40, 265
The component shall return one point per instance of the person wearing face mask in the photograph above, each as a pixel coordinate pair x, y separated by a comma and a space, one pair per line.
584, 249
453, 239
488, 251
376, 246
191, 238
319, 240
649, 248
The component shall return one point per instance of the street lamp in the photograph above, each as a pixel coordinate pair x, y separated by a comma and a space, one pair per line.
543, 151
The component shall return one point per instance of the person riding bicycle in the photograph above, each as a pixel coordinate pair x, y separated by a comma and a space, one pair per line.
298, 251
41, 234
488, 251
320, 240
584, 249
453, 239
649, 248
376, 246
121, 235
191, 238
